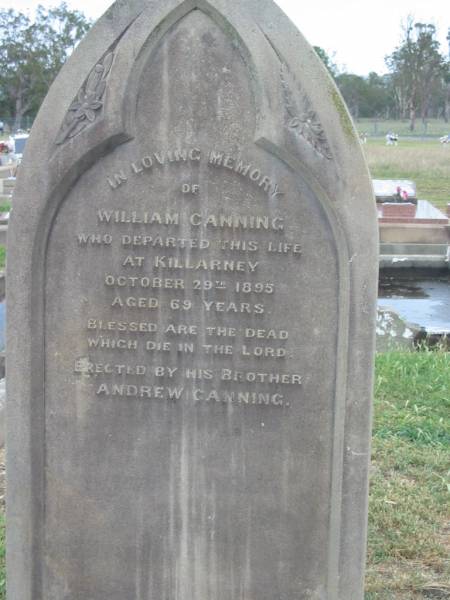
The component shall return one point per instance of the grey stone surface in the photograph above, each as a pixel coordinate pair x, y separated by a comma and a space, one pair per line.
191, 289
2, 412
414, 256
414, 249
393, 333
414, 261
6, 172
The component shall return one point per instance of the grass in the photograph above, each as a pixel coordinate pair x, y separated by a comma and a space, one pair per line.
2, 559
412, 397
409, 521
427, 163
2, 257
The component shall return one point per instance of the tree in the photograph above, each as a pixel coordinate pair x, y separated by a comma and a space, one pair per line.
417, 69
446, 78
31, 54
366, 96
327, 61
353, 89
379, 98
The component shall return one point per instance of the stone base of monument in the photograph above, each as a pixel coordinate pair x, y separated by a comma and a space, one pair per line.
406, 224
7, 186
7, 171
409, 221
414, 256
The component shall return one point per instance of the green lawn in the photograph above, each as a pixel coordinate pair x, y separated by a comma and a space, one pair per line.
409, 520
425, 162
2, 558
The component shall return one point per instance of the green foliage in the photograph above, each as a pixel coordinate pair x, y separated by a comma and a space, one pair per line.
31, 54
365, 96
409, 488
418, 83
2, 257
2, 558
410, 480
327, 60
413, 398
418, 70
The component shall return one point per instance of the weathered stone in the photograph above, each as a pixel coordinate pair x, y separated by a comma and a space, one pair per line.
405, 210
393, 333
191, 294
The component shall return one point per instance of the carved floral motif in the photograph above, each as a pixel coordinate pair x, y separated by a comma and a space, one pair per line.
303, 119
85, 109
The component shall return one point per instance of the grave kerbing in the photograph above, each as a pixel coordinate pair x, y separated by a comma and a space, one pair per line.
192, 269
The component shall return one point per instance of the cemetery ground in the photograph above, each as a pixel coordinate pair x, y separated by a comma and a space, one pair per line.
427, 163
409, 521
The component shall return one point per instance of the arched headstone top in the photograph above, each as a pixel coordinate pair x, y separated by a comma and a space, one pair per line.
299, 111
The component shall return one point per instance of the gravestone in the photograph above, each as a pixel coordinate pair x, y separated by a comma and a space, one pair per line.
191, 291
388, 190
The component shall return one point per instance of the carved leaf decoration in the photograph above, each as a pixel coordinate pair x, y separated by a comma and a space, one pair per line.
94, 79
101, 87
288, 85
107, 64
85, 109
303, 119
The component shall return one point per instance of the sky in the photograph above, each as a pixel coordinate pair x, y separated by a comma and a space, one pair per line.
358, 34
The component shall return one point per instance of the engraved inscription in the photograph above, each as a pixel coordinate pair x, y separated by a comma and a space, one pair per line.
170, 267
214, 158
